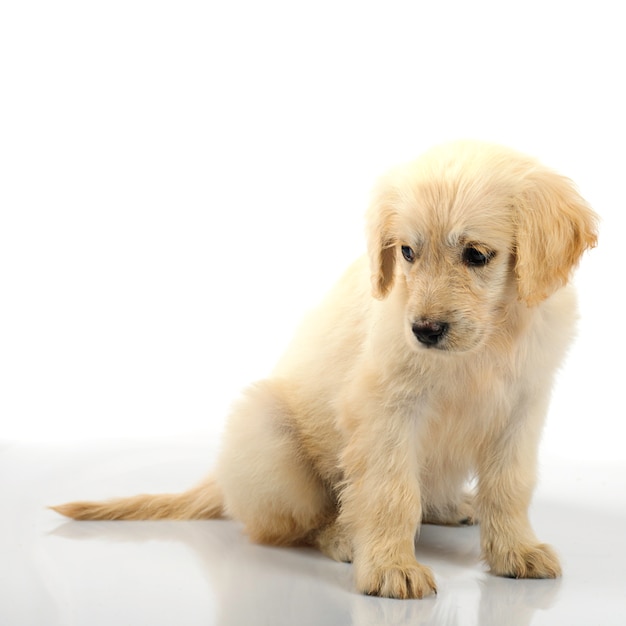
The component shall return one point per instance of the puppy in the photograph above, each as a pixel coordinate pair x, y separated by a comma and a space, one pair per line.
429, 364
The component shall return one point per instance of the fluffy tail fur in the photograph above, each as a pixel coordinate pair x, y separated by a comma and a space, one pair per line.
202, 502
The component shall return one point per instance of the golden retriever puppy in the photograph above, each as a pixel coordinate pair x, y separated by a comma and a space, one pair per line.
429, 364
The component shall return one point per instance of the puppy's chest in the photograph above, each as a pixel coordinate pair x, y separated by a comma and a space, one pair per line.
462, 408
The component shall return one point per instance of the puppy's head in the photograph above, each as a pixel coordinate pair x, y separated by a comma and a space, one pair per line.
468, 229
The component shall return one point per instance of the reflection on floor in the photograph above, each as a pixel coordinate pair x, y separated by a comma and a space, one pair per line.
61, 572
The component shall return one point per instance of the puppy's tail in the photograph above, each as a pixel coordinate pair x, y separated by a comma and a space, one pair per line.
202, 502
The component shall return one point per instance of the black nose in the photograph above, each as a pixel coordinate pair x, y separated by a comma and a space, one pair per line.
429, 333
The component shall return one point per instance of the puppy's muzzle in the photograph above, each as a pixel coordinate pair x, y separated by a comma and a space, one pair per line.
430, 333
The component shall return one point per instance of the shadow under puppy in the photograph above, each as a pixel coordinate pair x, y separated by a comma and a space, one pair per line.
429, 363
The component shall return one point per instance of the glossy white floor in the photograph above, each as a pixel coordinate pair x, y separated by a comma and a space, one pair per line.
55, 572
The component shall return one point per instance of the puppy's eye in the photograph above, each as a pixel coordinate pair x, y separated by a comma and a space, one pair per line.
475, 257
408, 254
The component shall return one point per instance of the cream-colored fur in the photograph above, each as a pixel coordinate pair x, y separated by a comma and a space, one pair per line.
429, 364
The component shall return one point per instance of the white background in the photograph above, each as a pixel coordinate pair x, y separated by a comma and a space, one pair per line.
180, 181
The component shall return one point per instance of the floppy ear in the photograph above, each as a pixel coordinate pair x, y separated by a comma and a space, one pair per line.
381, 242
554, 227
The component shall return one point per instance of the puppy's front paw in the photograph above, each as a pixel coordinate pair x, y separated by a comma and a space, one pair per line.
525, 561
401, 581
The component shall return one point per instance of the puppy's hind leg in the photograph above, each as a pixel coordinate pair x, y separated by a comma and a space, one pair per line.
459, 512
268, 481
